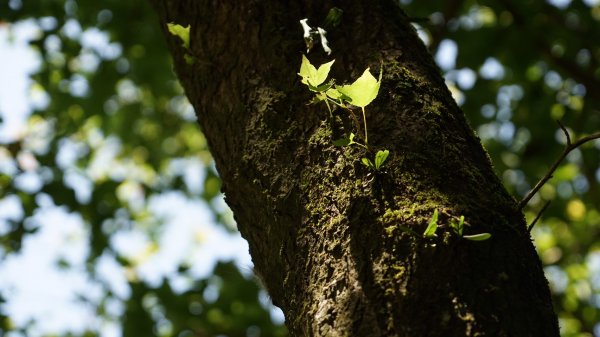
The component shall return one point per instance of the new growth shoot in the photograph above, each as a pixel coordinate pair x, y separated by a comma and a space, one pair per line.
358, 94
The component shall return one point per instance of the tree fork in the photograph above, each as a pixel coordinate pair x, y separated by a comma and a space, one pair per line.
327, 235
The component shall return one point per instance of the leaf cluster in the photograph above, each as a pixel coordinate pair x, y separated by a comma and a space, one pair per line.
360, 93
456, 226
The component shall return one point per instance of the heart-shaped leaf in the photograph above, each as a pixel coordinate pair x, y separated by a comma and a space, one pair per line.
380, 158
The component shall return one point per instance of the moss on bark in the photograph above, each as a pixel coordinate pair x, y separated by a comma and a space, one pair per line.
331, 239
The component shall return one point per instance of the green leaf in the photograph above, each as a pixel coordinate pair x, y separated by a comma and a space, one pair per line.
478, 237
312, 76
345, 141
336, 95
182, 32
380, 158
432, 227
351, 137
367, 162
458, 226
333, 93
461, 225
364, 90
322, 87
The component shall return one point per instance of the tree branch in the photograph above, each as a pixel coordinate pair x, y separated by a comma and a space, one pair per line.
570, 147
530, 227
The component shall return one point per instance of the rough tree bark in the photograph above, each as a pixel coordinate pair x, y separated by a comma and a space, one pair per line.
327, 235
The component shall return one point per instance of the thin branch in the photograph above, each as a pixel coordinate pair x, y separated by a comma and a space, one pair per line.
570, 147
567, 135
538, 216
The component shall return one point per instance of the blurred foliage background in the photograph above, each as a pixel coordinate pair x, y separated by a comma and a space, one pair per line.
110, 174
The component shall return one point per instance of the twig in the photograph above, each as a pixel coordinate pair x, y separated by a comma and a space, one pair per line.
570, 147
538, 216
562, 127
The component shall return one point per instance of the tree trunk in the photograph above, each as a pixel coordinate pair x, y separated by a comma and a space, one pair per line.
329, 237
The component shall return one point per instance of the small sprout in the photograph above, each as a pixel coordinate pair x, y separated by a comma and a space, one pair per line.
367, 162
458, 226
478, 237
432, 227
360, 94
380, 158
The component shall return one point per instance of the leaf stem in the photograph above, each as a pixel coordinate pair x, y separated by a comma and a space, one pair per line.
328, 108
335, 102
361, 145
365, 121
530, 227
354, 119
